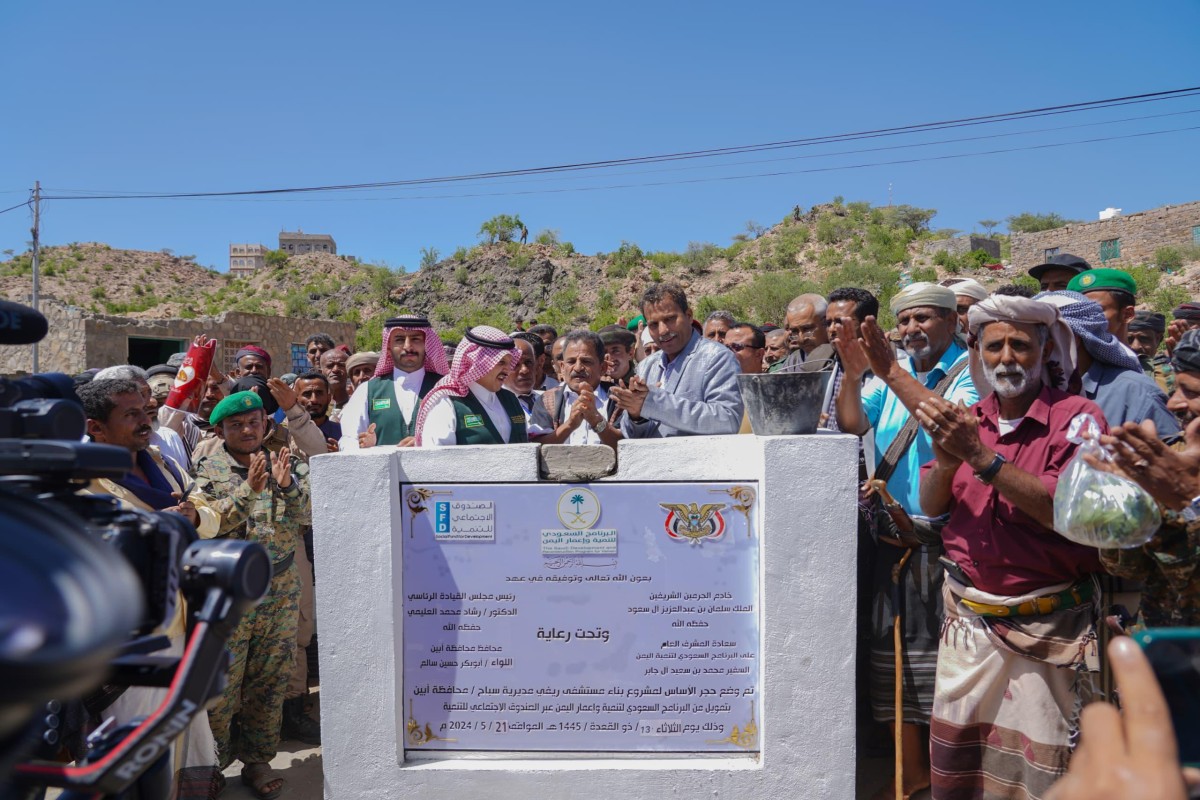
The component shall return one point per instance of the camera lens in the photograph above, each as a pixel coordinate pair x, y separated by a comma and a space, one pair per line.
67, 603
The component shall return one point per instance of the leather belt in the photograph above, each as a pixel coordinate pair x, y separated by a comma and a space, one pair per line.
1070, 597
281, 566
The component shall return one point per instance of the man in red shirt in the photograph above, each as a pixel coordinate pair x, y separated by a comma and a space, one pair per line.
1020, 600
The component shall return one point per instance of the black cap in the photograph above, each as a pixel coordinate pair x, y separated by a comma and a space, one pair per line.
1065, 261
407, 321
161, 369
258, 385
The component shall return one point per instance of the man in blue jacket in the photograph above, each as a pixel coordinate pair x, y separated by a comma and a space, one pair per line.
689, 387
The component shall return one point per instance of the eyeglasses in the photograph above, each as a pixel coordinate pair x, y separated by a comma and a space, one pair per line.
738, 347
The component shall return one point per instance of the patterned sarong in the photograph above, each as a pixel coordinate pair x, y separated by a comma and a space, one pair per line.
1009, 693
920, 628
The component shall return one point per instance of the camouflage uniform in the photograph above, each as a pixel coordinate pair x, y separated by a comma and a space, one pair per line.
1169, 565
1159, 370
264, 643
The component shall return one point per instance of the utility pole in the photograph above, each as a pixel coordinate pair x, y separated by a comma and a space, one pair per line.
37, 209
889, 194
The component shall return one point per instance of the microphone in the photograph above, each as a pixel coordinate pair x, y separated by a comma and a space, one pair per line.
21, 324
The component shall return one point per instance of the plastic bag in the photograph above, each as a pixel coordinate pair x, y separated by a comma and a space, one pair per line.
185, 395
1098, 508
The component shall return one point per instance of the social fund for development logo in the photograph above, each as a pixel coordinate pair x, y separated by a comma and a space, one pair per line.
690, 522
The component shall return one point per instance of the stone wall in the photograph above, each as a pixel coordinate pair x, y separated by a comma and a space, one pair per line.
961, 245
80, 340
60, 351
1139, 235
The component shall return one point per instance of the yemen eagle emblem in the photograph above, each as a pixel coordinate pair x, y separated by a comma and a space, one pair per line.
693, 523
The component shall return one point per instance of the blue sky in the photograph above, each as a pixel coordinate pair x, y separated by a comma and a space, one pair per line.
141, 96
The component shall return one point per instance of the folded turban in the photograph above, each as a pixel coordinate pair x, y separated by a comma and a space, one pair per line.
968, 287
435, 355
1087, 321
1188, 311
1057, 368
362, 359
924, 295
1186, 356
481, 349
252, 350
1148, 321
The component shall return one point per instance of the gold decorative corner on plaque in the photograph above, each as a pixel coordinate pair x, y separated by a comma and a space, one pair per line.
745, 497
416, 735
416, 504
746, 738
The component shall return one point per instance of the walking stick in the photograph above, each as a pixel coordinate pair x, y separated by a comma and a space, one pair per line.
897, 577
904, 525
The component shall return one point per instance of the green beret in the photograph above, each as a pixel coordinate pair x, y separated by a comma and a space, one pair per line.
236, 403
1109, 280
633, 323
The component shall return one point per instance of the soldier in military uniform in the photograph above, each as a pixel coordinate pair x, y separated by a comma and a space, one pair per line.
1146, 331
1169, 564
263, 497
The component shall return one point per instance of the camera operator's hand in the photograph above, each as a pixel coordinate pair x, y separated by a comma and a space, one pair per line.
257, 475
1127, 753
281, 467
186, 509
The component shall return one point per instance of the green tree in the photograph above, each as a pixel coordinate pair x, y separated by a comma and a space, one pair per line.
988, 225
913, 218
275, 258
500, 228
1168, 258
1030, 222
429, 257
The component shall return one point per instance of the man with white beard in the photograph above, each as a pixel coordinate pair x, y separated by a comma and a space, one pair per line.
1021, 602
927, 319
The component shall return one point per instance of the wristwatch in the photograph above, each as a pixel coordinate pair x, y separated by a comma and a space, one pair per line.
1192, 512
987, 475
601, 426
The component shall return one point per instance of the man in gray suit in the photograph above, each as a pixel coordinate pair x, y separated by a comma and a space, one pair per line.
689, 387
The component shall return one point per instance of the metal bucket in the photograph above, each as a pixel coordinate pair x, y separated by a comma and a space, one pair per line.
784, 403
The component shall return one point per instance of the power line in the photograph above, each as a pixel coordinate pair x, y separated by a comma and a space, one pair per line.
727, 164
18, 205
715, 179
693, 154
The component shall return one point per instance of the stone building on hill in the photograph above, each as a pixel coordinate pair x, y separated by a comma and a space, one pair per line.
246, 259
299, 242
79, 339
1120, 240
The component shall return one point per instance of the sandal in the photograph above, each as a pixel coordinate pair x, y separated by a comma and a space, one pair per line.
258, 776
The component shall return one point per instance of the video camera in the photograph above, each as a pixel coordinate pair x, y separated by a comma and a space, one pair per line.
84, 584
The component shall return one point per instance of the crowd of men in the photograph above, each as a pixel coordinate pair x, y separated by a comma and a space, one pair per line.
962, 409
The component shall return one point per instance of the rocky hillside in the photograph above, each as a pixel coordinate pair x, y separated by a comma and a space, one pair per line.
501, 282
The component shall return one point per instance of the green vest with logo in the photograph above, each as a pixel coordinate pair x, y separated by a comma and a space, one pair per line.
472, 425
384, 411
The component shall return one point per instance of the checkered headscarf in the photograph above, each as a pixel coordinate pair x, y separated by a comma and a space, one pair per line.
1086, 319
435, 354
472, 361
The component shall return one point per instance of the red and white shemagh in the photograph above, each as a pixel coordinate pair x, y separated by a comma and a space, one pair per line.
471, 362
435, 354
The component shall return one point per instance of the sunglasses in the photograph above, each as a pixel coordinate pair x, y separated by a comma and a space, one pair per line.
738, 347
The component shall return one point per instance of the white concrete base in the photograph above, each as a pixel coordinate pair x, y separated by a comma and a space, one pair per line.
807, 490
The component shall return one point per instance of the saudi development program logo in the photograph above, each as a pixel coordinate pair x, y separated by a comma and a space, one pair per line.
578, 509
